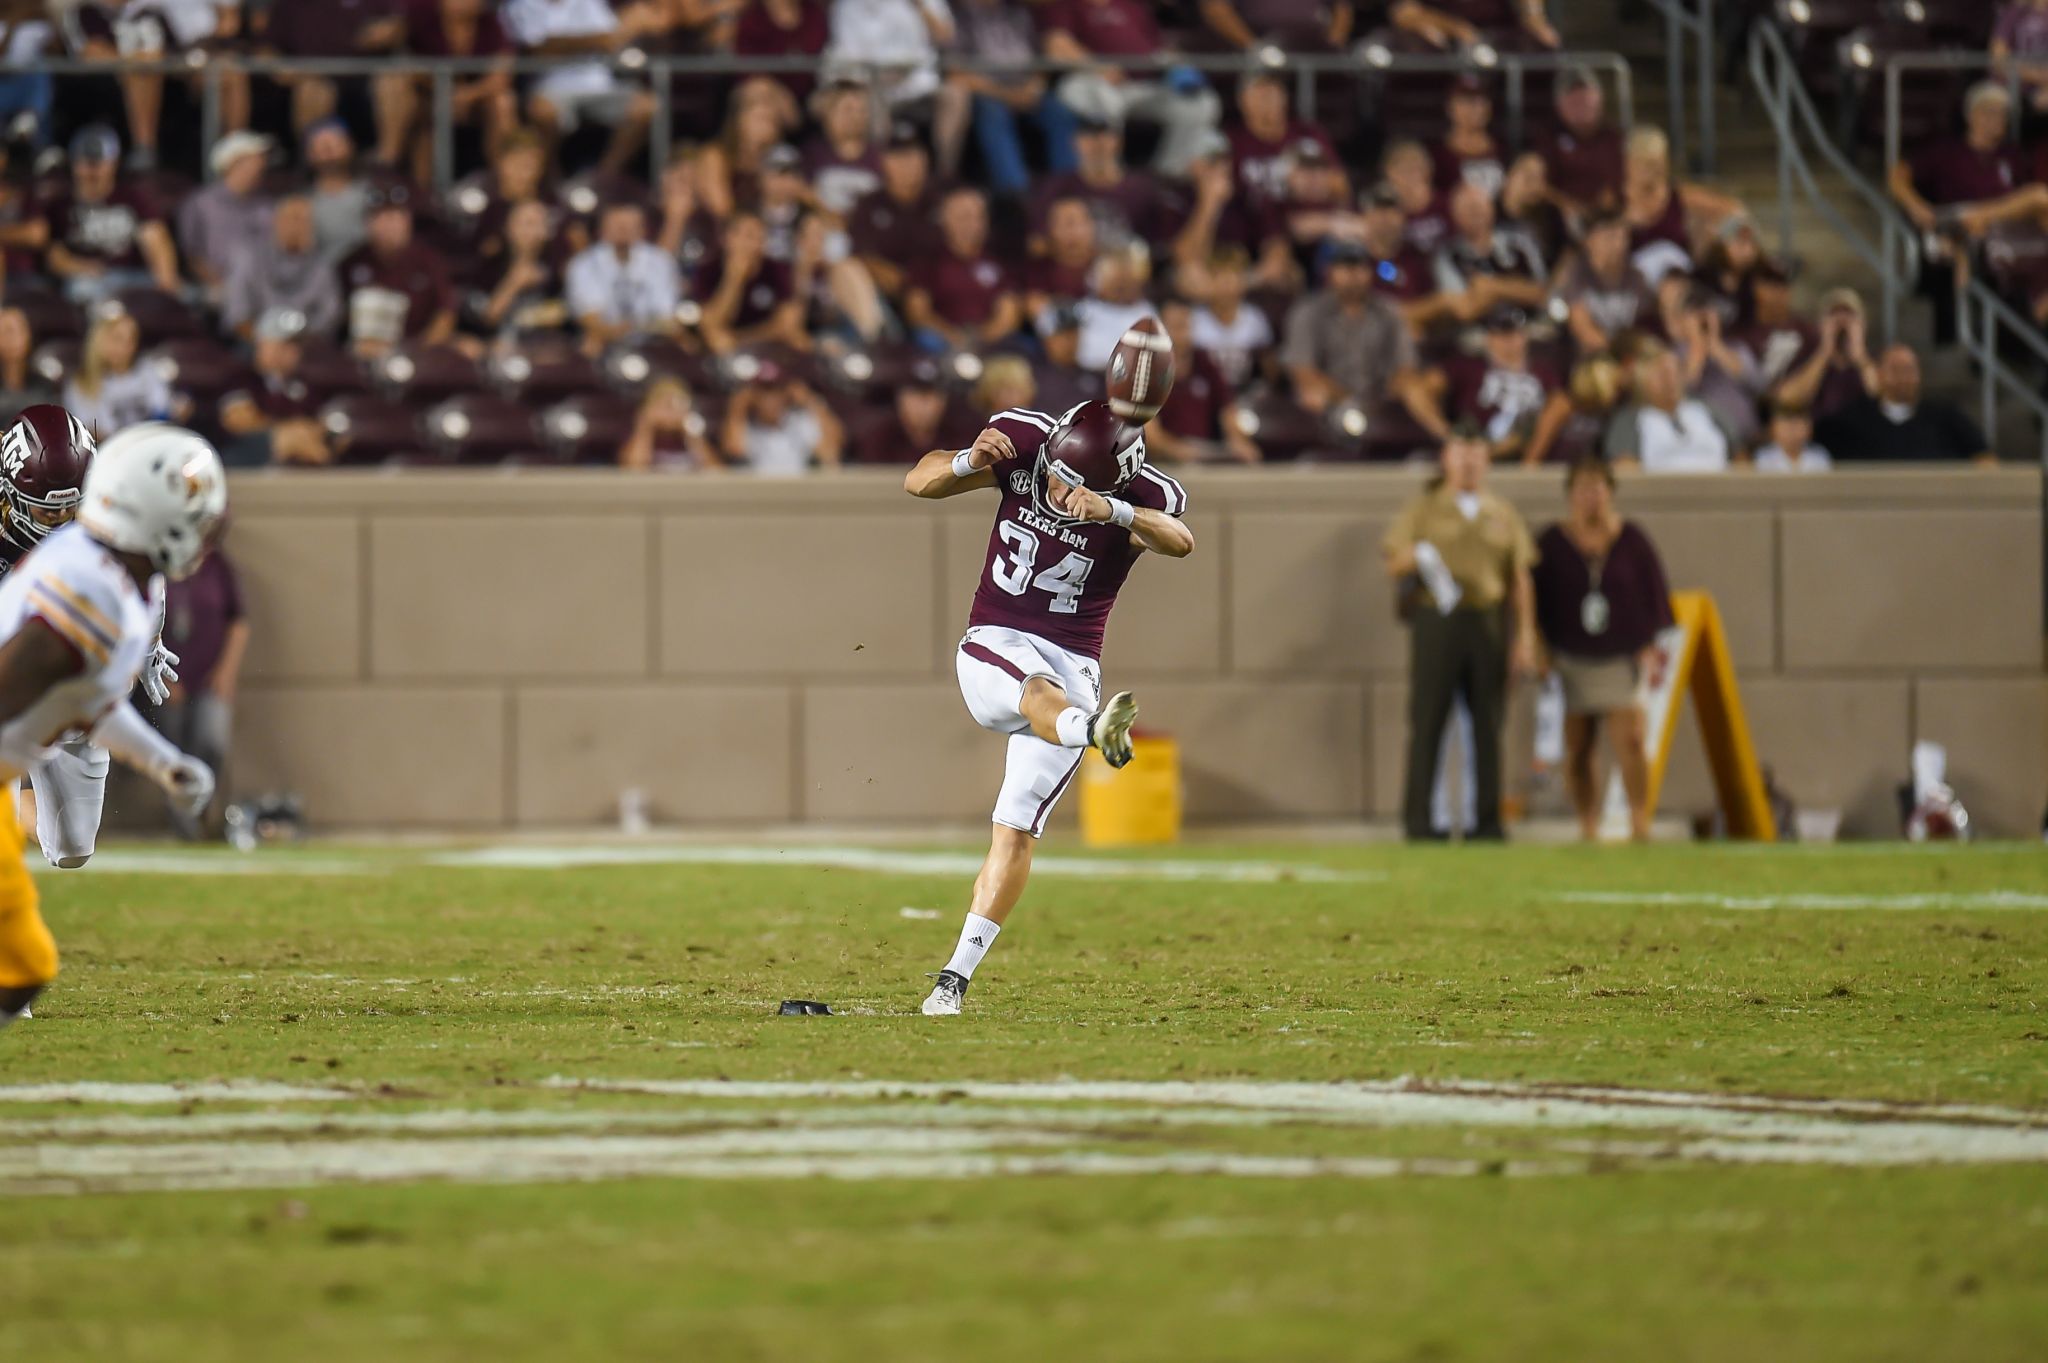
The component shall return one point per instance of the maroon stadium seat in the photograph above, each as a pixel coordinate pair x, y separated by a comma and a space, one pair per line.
367, 429
160, 316
51, 316
422, 374
481, 428
590, 428
329, 370
200, 368
1281, 428
544, 372
630, 364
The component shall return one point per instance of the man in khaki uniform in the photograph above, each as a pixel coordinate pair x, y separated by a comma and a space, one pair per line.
1472, 553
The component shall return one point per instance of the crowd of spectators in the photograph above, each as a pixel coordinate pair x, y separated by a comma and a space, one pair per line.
854, 261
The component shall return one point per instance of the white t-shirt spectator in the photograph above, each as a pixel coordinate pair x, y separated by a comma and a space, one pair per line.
643, 288
123, 400
1235, 345
1688, 440
890, 34
532, 23
1812, 459
784, 450
1103, 325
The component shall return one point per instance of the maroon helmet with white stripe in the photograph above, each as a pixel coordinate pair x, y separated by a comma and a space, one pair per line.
1140, 372
43, 459
1089, 447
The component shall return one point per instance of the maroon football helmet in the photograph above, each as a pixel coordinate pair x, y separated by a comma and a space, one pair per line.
43, 458
1089, 447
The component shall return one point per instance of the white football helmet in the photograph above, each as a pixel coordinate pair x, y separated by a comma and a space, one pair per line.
159, 491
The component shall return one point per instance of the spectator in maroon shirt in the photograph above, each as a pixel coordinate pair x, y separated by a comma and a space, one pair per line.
1525, 205
1410, 171
1606, 294
783, 28
105, 235
396, 288
1090, 35
1469, 153
1314, 207
205, 626
524, 297
1501, 392
1976, 182
891, 229
1267, 133
1837, 368
729, 169
1601, 601
446, 28
1060, 379
1199, 423
913, 426
747, 298
335, 28
481, 202
962, 298
1129, 205
1221, 219
1061, 274
1584, 155
1402, 275
275, 420
842, 164
1292, 25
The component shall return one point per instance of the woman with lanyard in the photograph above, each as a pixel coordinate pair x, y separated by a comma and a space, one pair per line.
1601, 601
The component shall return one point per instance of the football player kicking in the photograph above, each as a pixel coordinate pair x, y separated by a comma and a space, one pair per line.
1077, 507
44, 456
76, 629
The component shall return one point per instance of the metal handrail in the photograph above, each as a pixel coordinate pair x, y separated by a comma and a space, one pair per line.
1698, 24
1776, 77
1368, 58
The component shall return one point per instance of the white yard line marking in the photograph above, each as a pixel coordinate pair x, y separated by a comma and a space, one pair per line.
888, 1129
1962, 899
516, 857
148, 1095
852, 1155
224, 864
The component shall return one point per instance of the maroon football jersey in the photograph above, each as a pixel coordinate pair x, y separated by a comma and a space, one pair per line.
1499, 400
1044, 574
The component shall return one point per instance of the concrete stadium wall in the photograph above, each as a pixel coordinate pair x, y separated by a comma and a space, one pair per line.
483, 651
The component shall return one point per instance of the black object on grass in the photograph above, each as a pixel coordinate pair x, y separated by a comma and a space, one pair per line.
804, 1008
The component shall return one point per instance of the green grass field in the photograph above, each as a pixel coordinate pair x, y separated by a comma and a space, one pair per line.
1275, 1102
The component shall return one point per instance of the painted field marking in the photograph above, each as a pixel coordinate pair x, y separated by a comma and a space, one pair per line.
865, 1129
173, 863
158, 1095
516, 857
1960, 899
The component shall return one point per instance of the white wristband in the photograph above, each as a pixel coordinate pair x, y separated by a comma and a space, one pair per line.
1121, 512
963, 464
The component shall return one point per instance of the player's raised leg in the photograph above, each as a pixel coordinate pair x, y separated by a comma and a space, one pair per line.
1027, 688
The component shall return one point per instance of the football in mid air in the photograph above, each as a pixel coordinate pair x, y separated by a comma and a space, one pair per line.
1140, 372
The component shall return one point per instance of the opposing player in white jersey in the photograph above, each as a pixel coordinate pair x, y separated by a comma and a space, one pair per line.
76, 629
1077, 507
44, 456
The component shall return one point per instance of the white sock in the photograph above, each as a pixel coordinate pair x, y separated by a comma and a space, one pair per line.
977, 935
1072, 727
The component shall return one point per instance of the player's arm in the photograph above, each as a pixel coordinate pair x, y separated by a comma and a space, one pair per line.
34, 660
1151, 529
947, 473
